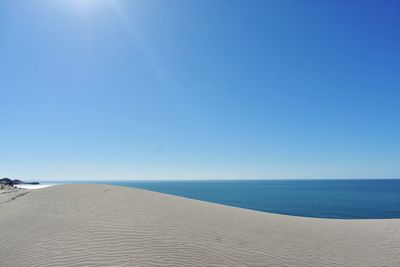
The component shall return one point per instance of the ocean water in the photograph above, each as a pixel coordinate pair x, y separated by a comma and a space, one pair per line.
344, 199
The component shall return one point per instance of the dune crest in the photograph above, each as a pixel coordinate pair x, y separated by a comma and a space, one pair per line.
102, 225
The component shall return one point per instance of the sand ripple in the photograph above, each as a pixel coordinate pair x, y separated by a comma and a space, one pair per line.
101, 225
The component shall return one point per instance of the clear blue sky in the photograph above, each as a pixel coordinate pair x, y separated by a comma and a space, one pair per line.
199, 89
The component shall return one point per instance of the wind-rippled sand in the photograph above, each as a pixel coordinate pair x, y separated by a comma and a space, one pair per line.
93, 225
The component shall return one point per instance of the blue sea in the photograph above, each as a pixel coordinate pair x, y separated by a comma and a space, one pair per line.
343, 199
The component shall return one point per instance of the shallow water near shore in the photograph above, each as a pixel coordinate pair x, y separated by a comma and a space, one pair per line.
340, 199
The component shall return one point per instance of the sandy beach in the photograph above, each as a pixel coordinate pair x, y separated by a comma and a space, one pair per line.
101, 225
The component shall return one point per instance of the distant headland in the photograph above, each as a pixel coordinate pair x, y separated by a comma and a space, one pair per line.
10, 182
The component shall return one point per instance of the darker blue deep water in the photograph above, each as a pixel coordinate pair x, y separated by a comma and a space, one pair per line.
345, 199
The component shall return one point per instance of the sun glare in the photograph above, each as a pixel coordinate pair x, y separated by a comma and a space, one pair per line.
83, 5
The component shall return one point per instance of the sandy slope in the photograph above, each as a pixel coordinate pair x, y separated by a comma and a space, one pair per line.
91, 225
8, 194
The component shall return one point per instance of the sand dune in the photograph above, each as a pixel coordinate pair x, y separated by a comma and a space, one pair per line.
93, 225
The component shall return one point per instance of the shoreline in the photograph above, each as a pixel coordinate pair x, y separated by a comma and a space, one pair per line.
229, 206
316, 199
27, 188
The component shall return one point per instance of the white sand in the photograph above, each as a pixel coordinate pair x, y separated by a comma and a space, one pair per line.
34, 186
92, 225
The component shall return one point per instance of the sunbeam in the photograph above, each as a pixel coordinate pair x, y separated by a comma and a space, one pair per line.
151, 60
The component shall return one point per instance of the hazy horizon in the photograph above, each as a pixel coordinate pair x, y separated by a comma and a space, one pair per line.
55, 180
137, 90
